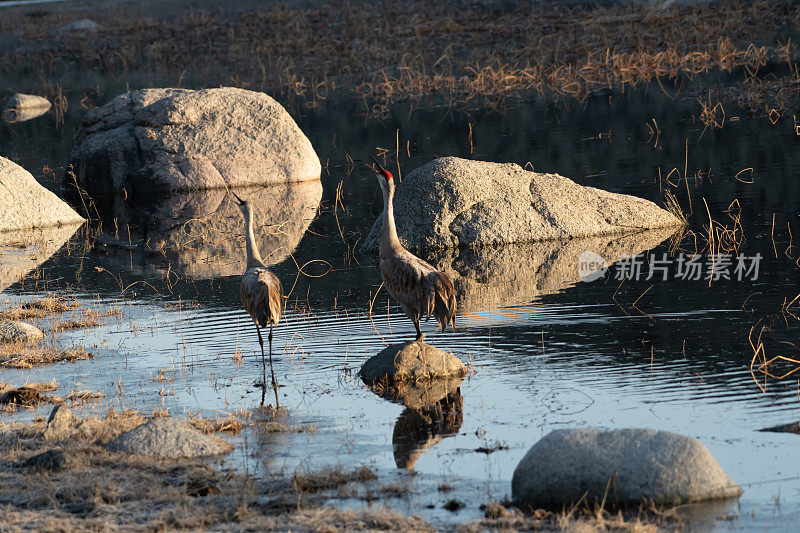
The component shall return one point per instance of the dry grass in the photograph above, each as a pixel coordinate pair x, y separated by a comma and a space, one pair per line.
39, 308
88, 318
330, 478
22, 355
470, 55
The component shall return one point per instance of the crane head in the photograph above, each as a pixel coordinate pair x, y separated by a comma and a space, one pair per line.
380, 171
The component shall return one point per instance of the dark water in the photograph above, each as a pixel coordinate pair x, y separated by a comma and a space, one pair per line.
548, 350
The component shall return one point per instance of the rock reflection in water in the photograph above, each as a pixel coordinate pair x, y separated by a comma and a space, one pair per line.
492, 277
23, 250
21, 115
201, 234
434, 411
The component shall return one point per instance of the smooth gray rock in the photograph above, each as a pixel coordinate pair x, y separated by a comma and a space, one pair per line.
168, 437
452, 202
61, 424
179, 139
26, 204
643, 464
411, 362
18, 331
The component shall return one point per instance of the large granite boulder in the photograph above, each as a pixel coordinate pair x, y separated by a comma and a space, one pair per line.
24, 204
179, 139
452, 203
635, 465
411, 362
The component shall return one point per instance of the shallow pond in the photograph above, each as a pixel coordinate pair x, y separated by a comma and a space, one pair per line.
547, 350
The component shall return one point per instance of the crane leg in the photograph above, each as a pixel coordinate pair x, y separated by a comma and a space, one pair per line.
420, 335
264, 367
272, 370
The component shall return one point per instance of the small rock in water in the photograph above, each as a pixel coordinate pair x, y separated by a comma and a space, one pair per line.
168, 437
628, 466
17, 331
19, 101
411, 362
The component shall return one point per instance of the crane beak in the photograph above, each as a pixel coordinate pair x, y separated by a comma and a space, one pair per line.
237, 198
376, 162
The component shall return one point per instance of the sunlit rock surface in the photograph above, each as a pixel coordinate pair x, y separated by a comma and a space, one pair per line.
642, 464
516, 274
180, 139
200, 234
452, 202
410, 362
25, 204
22, 107
23, 250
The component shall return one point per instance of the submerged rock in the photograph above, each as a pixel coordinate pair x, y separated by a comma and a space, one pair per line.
641, 464
168, 437
411, 362
18, 331
26, 204
452, 203
179, 139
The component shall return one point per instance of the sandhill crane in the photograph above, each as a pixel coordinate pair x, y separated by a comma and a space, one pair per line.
420, 289
261, 294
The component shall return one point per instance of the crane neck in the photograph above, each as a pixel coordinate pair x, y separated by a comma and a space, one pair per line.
253, 255
389, 240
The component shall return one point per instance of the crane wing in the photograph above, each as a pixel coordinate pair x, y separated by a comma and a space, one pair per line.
262, 296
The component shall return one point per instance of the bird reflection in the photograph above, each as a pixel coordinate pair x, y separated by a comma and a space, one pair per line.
418, 430
434, 411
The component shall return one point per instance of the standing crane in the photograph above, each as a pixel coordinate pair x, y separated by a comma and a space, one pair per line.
261, 294
420, 289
